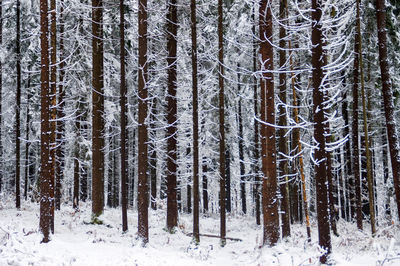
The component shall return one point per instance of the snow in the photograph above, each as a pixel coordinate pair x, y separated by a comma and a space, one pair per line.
76, 242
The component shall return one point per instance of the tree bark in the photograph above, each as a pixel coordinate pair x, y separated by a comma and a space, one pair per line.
241, 153
283, 146
391, 129
172, 210
123, 105
221, 125
196, 197
17, 112
270, 186
143, 224
98, 110
355, 136
45, 178
319, 119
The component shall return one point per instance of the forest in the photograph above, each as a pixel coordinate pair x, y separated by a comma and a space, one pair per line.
229, 132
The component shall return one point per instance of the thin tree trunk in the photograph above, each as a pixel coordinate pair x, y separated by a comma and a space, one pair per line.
221, 125
228, 201
348, 186
45, 178
17, 113
241, 153
143, 223
75, 198
153, 157
355, 135
172, 210
60, 114
299, 150
97, 112
269, 199
283, 146
205, 186
124, 137
196, 197
27, 143
319, 119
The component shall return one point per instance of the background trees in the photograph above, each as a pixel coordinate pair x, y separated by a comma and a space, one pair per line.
159, 135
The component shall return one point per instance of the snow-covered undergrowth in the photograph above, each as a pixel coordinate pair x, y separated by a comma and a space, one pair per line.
76, 242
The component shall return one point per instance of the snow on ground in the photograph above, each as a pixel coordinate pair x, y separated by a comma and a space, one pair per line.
77, 243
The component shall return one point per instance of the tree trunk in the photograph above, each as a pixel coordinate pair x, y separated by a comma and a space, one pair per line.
45, 178
298, 149
393, 137
60, 115
27, 144
283, 146
98, 110
319, 119
196, 197
269, 199
17, 113
241, 153
75, 198
228, 201
355, 137
205, 186
172, 210
143, 224
221, 124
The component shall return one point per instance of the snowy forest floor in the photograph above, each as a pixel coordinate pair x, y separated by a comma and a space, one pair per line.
77, 243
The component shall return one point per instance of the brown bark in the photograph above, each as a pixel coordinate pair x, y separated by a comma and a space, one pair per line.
393, 136
172, 210
355, 136
97, 111
45, 178
196, 197
124, 137
269, 188
17, 113
283, 146
143, 223
60, 115
319, 119
221, 125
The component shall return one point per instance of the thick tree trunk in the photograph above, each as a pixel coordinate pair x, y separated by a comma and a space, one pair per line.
143, 223
393, 136
45, 178
172, 210
98, 110
269, 199
1, 98
319, 119
221, 124
196, 197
